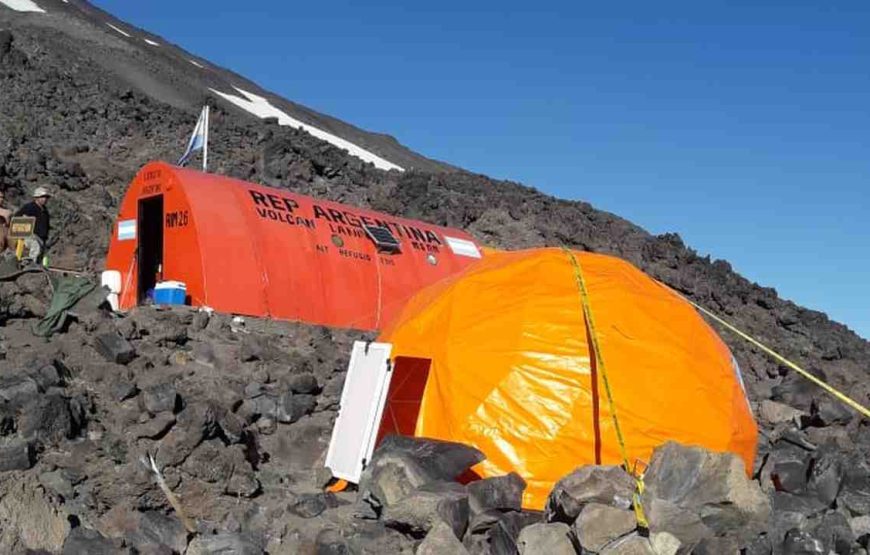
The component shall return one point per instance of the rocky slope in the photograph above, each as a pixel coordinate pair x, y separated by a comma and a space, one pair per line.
239, 416
169, 74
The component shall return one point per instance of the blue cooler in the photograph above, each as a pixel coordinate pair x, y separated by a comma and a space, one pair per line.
170, 292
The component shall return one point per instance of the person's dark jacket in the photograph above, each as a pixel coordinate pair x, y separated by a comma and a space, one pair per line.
43, 224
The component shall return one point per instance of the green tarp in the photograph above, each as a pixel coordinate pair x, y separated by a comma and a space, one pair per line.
68, 292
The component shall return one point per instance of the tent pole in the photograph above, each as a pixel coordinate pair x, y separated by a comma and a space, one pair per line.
205, 145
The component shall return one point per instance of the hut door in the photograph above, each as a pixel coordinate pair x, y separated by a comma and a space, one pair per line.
150, 247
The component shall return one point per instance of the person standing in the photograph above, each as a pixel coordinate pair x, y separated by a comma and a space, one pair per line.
5, 217
36, 209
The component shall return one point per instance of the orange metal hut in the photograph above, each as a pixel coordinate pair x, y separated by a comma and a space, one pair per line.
248, 249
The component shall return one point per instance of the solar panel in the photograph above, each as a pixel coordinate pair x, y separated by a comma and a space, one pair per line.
383, 238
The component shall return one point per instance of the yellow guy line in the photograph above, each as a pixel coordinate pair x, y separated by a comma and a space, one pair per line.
833, 391
599, 361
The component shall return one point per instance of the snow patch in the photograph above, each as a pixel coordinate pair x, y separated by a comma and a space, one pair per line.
152, 43
22, 5
123, 32
261, 107
197, 64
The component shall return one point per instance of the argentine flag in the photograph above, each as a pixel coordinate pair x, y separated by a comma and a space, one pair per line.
198, 141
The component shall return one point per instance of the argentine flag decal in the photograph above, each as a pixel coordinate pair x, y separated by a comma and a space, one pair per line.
126, 230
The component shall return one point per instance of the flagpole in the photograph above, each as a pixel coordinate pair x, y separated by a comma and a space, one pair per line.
205, 145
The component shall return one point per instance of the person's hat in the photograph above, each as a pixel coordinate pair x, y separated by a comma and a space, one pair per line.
41, 192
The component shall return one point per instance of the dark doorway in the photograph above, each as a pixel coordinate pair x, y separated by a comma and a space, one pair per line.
150, 258
402, 407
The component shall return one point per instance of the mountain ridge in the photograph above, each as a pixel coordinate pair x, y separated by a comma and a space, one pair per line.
162, 78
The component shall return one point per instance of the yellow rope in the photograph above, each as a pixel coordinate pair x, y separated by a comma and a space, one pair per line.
833, 391
599, 362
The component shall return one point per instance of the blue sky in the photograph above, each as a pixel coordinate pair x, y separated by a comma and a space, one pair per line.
743, 126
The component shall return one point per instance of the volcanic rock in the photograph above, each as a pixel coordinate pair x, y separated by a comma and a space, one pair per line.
799, 542
826, 475
402, 464
30, 518
713, 486
553, 539
500, 492
155, 529
441, 540
223, 544
303, 383
424, 507
16, 454
790, 475
773, 413
159, 398
50, 418
114, 348
608, 485
633, 544
598, 526
310, 505
84, 540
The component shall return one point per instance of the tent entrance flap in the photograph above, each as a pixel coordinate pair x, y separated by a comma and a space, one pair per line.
150, 244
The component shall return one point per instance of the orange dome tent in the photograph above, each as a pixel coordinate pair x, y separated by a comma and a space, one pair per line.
510, 369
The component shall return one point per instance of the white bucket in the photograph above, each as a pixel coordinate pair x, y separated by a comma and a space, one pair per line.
111, 280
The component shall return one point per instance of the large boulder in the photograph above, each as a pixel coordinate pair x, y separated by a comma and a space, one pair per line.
50, 418
401, 464
30, 518
500, 492
801, 542
195, 424
550, 538
633, 544
789, 470
293, 406
303, 383
496, 531
428, 505
774, 413
684, 524
157, 529
825, 476
16, 454
607, 485
601, 525
310, 505
154, 428
855, 490
17, 389
860, 526
713, 486
835, 532
84, 540
829, 412
224, 544
441, 541
161, 397
114, 348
